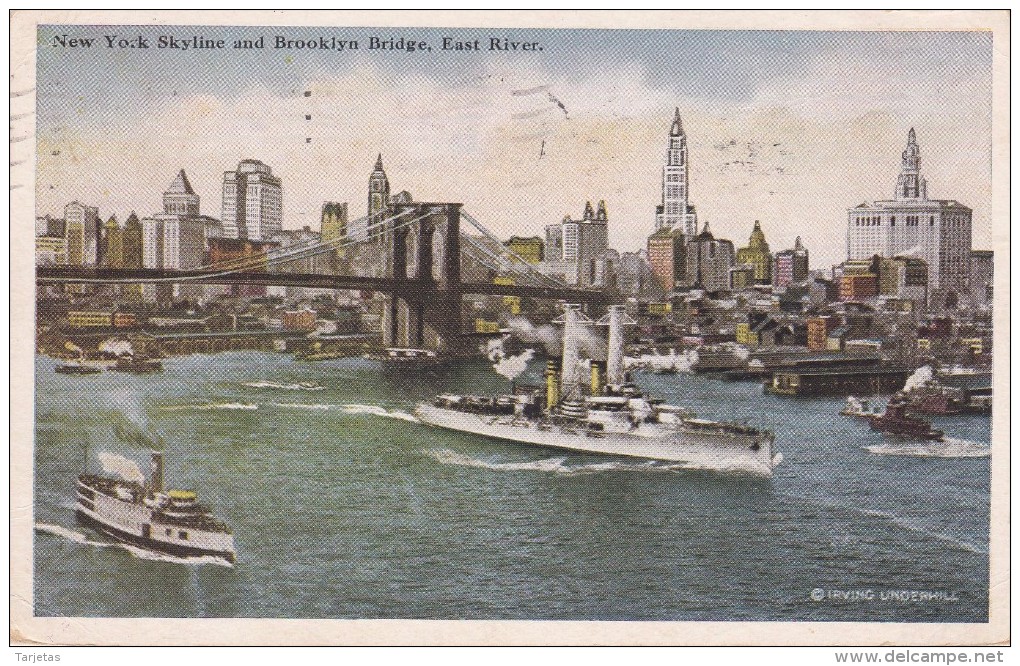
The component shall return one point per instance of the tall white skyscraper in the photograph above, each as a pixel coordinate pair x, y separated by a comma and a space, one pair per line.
252, 202
935, 230
675, 211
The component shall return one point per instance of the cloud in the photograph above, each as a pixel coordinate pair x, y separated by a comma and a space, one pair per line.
804, 147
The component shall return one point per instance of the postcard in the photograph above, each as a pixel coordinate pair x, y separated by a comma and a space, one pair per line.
677, 328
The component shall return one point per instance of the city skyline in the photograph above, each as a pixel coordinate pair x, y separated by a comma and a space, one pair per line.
492, 133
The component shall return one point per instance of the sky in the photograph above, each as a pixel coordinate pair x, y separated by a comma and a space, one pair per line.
789, 128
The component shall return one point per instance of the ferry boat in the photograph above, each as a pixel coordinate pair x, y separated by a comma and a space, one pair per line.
608, 416
147, 516
896, 422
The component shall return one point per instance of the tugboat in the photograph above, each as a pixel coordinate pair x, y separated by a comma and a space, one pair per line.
896, 422
138, 365
144, 515
608, 416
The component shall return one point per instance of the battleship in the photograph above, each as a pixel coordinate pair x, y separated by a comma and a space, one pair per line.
147, 516
604, 415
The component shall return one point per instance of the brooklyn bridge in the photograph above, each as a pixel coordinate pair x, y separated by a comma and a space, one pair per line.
414, 253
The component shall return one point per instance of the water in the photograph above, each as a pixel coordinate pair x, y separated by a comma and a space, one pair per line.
343, 506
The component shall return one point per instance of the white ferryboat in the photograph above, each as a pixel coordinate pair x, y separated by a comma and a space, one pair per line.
144, 515
608, 417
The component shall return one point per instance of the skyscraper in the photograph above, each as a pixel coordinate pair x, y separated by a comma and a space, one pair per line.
757, 254
81, 229
252, 201
675, 211
935, 230
378, 193
180, 199
574, 248
791, 265
113, 244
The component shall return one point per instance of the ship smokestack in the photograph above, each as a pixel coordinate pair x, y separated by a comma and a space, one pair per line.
571, 349
156, 475
614, 347
597, 371
552, 384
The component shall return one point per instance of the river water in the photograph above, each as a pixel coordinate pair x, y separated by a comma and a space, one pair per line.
343, 506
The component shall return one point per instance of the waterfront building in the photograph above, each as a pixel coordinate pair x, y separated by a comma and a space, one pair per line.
981, 276
252, 201
574, 249
675, 211
299, 320
89, 319
667, 256
709, 260
818, 330
49, 226
50, 250
81, 230
858, 286
531, 249
903, 278
791, 265
935, 230
757, 255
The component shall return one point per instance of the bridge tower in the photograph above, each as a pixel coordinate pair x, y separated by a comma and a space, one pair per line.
422, 246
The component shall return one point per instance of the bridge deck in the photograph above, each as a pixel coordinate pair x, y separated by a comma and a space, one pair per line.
402, 287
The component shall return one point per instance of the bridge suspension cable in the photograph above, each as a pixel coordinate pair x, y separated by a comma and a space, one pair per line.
524, 263
496, 262
240, 266
304, 249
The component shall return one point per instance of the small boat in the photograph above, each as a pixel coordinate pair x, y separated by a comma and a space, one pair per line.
137, 365
896, 422
77, 369
859, 409
406, 357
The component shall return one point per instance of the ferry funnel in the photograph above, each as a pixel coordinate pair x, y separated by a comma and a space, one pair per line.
156, 474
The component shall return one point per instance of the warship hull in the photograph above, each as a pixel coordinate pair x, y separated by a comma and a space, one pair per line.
694, 447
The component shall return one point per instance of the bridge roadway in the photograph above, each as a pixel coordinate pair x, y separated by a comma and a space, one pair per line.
409, 287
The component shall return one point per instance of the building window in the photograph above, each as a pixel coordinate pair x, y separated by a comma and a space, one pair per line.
183, 535
892, 221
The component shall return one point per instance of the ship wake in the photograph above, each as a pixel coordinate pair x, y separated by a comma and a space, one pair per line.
211, 406
141, 553
950, 448
376, 410
265, 384
557, 466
